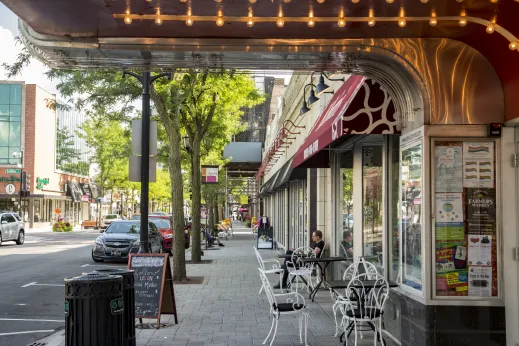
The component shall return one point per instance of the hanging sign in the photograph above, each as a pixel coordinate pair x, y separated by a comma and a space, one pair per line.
210, 174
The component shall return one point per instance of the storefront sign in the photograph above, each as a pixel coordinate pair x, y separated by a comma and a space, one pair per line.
74, 191
41, 182
13, 171
311, 149
11, 179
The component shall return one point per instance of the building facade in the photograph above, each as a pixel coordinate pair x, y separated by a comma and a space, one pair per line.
53, 157
421, 195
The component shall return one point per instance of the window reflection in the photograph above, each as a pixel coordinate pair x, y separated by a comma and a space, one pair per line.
411, 216
372, 214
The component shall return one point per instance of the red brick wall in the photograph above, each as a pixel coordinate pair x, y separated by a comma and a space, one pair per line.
30, 132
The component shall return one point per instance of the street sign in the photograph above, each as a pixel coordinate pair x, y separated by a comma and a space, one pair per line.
137, 138
10, 189
13, 171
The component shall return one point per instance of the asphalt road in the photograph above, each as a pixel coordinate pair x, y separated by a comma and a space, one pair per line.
31, 282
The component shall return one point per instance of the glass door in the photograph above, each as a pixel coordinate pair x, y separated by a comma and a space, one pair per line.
372, 204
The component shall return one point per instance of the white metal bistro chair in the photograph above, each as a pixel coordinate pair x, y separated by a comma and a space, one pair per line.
291, 303
369, 307
275, 267
299, 269
348, 275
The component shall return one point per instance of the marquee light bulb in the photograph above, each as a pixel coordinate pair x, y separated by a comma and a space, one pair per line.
424, 1
250, 23
371, 15
463, 22
280, 23
127, 19
189, 21
402, 22
183, 1
355, 1
252, 1
371, 22
513, 45
433, 21
490, 28
219, 21
341, 22
320, 1
158, 21
390, 1
311, 23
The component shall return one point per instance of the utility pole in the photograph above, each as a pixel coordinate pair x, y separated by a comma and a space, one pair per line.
146, 80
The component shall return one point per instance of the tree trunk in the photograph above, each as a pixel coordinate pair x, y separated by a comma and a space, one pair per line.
196, 200
177, 202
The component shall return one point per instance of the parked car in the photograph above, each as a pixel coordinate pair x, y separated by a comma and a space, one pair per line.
108, 219
11, 228
168, 242
159, 213
164, 226
121, 238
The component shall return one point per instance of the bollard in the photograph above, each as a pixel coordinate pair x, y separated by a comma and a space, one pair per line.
94, 310
129, 302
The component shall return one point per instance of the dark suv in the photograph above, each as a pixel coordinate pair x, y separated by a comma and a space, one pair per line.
11, 228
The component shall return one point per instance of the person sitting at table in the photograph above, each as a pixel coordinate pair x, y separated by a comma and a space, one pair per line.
347, 244
317, 245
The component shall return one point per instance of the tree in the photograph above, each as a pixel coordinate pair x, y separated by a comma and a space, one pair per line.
109, 143
210, 114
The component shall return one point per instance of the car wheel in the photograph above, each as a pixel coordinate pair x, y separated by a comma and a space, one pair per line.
96, 259
0, 238
21, 238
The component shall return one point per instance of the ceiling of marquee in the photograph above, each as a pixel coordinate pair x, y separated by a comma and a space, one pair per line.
96, 19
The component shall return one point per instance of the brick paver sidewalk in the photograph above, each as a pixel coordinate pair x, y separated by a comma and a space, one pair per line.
226, 308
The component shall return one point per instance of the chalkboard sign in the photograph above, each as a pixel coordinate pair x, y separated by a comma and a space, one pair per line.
154, 294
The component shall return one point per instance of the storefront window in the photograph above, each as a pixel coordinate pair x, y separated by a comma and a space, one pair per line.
372, 211
465, 219
345, 206
10, 120
394, 206
412, 257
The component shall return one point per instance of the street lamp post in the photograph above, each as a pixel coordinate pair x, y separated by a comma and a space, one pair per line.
146, 80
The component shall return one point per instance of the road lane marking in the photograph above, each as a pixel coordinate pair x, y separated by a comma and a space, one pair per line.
37, 284
30, 320
32, 283
28, 332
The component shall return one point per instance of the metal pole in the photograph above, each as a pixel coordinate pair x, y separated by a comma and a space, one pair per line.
146, 81
145, 162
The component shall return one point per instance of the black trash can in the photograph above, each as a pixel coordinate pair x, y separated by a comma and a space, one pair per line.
94, 310
129, 302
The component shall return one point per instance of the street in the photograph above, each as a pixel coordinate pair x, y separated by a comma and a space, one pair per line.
31, 285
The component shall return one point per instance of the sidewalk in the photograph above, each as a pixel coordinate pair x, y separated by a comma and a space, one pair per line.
226, 308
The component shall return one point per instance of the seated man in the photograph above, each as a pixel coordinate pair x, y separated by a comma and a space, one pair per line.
318, 247
347, 244
211, 239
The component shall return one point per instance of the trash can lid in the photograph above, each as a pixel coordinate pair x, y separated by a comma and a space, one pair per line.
113, 271
94, 277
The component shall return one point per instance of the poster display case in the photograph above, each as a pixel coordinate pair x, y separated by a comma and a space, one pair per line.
464, 225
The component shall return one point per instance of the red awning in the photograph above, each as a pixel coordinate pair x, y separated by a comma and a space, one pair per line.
360, 106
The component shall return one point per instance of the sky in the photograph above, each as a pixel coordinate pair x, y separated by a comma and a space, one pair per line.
35, 72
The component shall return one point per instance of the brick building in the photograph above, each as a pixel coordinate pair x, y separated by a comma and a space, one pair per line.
58, 184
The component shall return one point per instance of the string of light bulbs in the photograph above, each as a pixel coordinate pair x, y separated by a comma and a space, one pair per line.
311, 20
